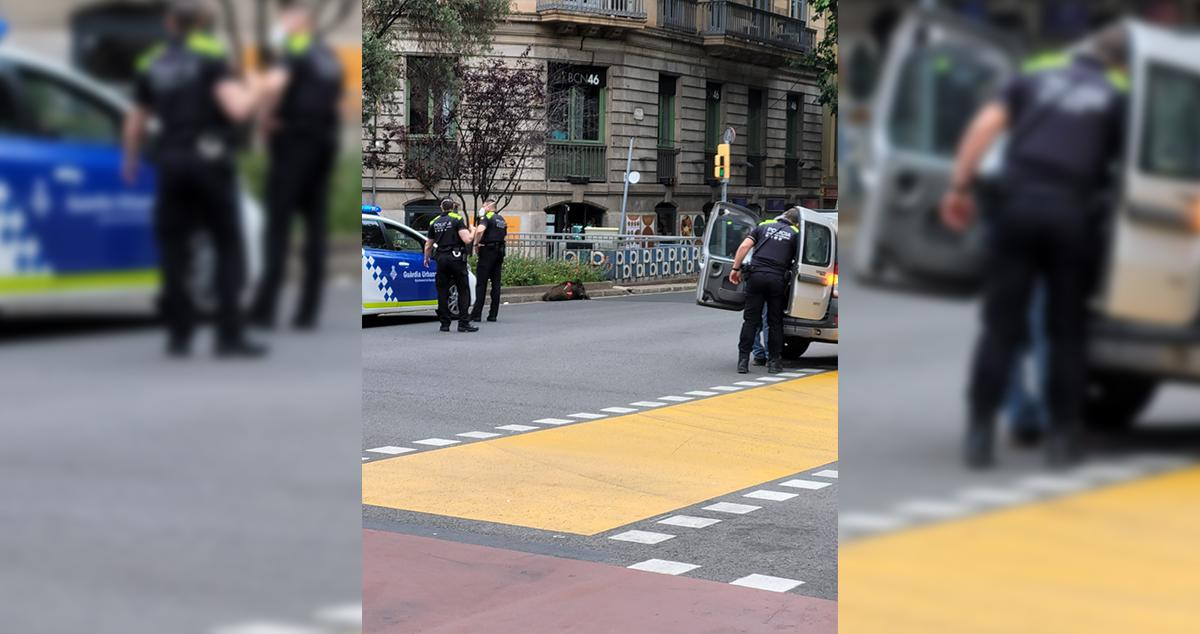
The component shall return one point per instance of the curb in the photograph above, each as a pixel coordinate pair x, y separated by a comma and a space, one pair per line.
610, 291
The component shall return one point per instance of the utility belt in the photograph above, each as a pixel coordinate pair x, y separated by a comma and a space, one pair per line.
492, 245
457, 253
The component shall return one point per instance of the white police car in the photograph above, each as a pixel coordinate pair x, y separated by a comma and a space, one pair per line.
394, 276
72, 233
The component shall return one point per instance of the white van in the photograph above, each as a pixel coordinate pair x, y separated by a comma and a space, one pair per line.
812, 312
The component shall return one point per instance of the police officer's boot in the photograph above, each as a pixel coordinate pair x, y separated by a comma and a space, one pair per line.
977, 449
774, 366
743, 366
467, 327
1064, 447
240, 348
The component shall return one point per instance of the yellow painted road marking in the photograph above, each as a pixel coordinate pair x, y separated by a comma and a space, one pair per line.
595, 476
1121, 559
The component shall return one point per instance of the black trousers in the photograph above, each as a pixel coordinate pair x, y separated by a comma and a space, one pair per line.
1044, 235
491, 261
297, 186
769, 288
452, 272
196, 197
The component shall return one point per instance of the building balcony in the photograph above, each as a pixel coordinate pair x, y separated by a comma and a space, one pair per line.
576, 162
678, 15
742, 32
668, 165
603, 18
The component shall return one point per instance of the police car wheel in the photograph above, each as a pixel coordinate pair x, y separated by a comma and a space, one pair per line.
1114, 400
795, 347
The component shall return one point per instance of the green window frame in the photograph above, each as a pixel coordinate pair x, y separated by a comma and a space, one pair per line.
666, 110
581, 102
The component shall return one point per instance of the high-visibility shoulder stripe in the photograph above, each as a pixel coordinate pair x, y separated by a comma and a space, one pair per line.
299, 43
1046, 61
144, 61
455, 216
1119, 79
205, 44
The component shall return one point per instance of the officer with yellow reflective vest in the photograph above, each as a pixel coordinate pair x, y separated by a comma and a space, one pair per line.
775, 243
490, 234
188, 85
449, 235
301, 121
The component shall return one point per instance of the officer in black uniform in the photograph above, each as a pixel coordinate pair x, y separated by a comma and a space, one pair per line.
305, 87
489, 240
187, 84
775, 244
450, 235
1066, 121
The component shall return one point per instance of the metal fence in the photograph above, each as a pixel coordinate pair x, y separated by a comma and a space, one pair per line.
569, 161
725, 17
623, 258
678, 14
666, 168
622, 8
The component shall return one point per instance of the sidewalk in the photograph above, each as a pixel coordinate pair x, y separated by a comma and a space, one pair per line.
524, 294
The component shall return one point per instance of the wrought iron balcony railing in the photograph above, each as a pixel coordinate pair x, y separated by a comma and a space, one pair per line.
620, 8
728, 18
668, 169
679, 15
576, 162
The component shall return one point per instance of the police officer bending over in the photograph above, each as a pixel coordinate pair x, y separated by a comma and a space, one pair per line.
303, 89
775, 244
1065, 122
450, 235
188, 85
489, 244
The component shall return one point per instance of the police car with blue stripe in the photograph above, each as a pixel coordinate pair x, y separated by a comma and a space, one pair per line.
394, 276
72, 233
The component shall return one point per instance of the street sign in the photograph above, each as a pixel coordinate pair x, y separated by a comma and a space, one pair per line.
729, 135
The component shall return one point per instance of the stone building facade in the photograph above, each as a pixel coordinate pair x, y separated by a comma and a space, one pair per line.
671, 75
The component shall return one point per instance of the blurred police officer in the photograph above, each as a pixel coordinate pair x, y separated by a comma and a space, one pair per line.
303, 88
188, 86
1065, 121
775, 243
490, 234
449, 235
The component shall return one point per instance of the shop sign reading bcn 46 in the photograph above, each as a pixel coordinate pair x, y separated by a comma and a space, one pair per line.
593, 76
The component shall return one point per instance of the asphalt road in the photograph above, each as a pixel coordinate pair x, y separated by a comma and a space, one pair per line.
903, 383
150, 495
552, 359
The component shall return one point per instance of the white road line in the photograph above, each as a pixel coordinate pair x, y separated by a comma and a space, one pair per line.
995, 497
731, 507
774, 496
648, 403
477, 434
689, 521
641, 537
933, 509
792, 375
675, 399
767, 582
664, 567
365, 459
391, 450
770, 379
701, 393
619, 410
349, 615
518, 427
809, 370
828, 473
747, 383
554, 421
436, 442
588, 415
267, 627
1110, 472
725, 388
805, 484
1052, 484
868, 522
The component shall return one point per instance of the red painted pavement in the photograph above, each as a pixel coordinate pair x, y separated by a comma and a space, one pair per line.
418, 585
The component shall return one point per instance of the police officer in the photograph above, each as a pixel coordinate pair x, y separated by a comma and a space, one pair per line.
303, 91
775, 243
489, 244
187, 84
451, 237
1065, 120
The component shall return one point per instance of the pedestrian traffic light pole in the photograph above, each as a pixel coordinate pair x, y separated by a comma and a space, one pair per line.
721, 169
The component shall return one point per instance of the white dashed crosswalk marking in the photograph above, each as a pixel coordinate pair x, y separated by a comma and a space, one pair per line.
767, 582
642, 537
391, 450
664, 567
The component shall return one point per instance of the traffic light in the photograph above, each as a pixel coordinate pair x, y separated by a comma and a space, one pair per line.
721, 162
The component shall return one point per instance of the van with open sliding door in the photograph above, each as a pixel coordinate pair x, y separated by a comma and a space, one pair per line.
812, 313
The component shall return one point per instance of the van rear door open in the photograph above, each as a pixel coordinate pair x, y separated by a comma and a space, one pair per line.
812, 286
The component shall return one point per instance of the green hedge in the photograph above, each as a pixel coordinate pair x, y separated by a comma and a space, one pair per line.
523, 271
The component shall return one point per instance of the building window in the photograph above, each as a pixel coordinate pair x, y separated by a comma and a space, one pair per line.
800, 9
755, 137
712, 117
666, 110
576, 103
792, 147
428, 103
